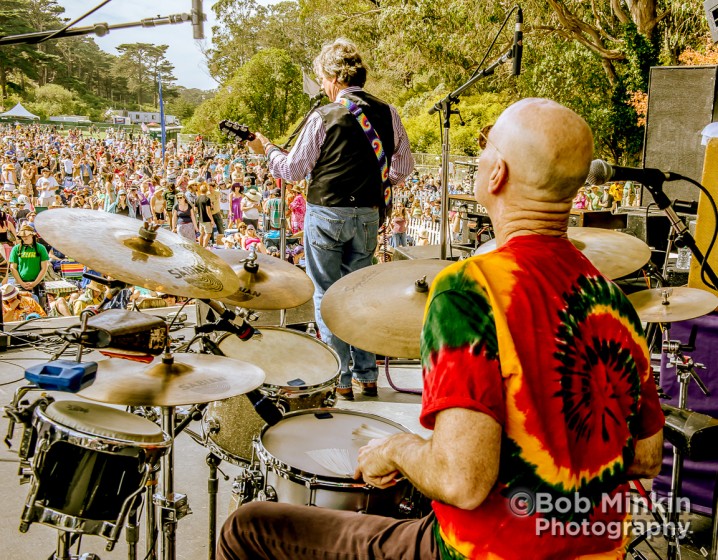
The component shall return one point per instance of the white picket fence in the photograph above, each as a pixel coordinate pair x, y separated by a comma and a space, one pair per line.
416, 225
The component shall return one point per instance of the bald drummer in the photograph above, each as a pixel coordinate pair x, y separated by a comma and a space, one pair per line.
537, 384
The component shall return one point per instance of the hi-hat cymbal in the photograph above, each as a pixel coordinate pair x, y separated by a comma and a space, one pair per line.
613, 253
667, 305
380, 308
190, 379
276, 284
111, 244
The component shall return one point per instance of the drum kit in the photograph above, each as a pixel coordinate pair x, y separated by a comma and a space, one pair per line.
263, 399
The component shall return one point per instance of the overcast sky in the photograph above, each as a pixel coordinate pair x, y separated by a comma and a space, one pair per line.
184, 52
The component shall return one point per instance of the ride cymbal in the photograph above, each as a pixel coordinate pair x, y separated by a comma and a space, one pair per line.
114, 245
380, 308
667, 305
189, 379
613, 253
276, 284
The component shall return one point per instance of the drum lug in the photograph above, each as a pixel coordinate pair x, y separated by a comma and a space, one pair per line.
331, 400
269, 494
213, 426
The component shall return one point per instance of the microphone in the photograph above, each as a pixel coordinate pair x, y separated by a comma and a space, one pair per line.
197, 20
518, 47
602, 172
230, 322
263, 405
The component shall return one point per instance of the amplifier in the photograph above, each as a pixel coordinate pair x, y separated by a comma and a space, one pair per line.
596, 218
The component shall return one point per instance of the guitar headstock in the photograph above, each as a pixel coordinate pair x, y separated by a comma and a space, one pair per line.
236, 130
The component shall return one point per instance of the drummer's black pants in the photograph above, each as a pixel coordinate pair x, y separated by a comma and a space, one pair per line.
282, 531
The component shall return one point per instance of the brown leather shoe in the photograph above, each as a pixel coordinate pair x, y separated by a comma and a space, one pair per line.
369, 389
345, 394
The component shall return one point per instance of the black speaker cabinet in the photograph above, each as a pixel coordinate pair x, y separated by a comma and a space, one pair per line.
653, 229
681, 102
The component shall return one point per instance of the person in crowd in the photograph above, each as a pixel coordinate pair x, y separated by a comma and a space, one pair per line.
252, 241
346, 188
511, 410
399, 223
93, 296
204, 215
7, 228
29, 262
297, 207
18, 305
581, 201
46, 186
273, 210
251, 207
235, 205
217, 218
157, 203
183, 219
121, 206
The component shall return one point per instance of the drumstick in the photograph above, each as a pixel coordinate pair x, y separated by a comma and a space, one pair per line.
368, 433
334, 460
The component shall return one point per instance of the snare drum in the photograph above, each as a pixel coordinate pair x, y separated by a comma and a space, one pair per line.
301, 373
289, 474
91, 462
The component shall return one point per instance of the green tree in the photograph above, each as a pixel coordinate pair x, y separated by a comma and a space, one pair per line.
265, 94
139, 63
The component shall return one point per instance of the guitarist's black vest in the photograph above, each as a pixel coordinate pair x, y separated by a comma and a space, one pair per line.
347, 172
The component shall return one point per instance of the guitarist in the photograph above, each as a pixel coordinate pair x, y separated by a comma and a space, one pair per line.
345, 192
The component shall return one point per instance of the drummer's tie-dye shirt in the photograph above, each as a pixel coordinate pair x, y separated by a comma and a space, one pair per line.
534, 336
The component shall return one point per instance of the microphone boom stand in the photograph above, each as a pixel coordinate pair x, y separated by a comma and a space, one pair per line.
445, 107
683, 234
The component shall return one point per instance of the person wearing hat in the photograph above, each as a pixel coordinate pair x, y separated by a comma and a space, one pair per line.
121, 205
17, 305
29, 262
47, 186
94, 296
204, 215
251, 207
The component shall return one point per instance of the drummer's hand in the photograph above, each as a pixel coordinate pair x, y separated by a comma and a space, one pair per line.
374, 467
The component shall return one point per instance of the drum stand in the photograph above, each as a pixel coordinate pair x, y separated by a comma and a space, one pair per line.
685, 371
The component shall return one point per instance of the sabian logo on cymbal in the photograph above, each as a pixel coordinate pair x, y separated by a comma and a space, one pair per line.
184, 271
202, 383
253, 293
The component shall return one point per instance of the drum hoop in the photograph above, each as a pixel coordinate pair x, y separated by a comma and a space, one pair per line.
105, 444
309, 479
225, 455
277, 389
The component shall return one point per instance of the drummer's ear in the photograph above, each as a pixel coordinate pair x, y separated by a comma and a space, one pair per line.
499, 175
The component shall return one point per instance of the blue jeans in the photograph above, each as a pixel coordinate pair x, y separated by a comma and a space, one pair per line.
338, 241
398, 239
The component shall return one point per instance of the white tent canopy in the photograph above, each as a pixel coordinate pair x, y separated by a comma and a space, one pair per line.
19, 112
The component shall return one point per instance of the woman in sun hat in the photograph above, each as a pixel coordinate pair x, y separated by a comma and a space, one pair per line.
251, 207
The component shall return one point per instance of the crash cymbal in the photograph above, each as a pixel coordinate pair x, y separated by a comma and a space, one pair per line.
112, 245
667, 305
379, 308
190, 379
613, 253
276, 284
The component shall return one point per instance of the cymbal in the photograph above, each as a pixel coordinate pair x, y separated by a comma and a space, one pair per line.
276, 284
111, 244
613, 253
190, 379
379, 308
667, 305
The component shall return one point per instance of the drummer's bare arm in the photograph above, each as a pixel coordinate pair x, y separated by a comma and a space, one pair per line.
458, 465
648, 458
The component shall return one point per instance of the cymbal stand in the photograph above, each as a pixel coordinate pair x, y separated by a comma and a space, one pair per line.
685, 372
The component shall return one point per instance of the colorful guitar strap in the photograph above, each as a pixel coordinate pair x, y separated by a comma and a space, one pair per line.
376, 144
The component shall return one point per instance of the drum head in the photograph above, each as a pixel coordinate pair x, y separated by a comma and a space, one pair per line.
103, 421
289, 358
311, 430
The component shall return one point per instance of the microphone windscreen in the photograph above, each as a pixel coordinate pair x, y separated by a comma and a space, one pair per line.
599, 173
